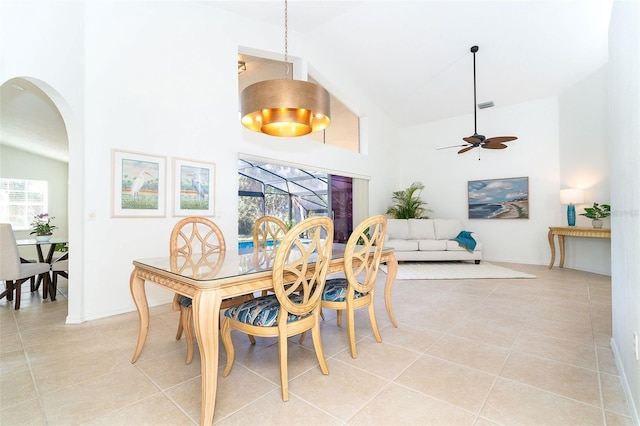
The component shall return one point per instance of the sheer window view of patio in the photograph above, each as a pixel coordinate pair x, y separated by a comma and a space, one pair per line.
290, 194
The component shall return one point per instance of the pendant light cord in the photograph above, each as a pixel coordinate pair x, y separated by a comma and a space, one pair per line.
286, 40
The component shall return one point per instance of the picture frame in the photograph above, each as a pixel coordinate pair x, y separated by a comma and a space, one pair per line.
138, 184
506, 198
193, 188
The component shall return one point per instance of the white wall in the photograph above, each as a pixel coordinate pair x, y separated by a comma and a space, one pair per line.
624, 118
445, 174
584, 159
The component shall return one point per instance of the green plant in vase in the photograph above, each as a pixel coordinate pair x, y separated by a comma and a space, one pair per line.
407, 205
597, 213
41, 225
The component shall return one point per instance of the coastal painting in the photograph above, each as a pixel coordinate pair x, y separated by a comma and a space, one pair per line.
499, 198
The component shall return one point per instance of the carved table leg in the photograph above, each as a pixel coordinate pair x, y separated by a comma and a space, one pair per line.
140, 298
392, 268
552, 246
561, 244
206, 316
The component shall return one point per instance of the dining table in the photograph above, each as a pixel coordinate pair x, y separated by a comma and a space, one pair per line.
53, 242
238, 275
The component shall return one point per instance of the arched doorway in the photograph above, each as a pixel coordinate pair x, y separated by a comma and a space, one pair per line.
36, 118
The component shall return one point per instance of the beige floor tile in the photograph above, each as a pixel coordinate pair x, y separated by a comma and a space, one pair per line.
496, 335
573, 382
97, 397
381, 359
470, 353
241, 388
575, 332
553, 327
265, 362
409, 408
341, 393
27, 412
271, 410
153, 411
511, 403
70, 370
15, 388
607, 361
618, 420
556, 349
455, 384
11, 362
410, 337
613, 394
169, 369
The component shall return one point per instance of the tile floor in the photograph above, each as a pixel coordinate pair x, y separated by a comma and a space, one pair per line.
467, 352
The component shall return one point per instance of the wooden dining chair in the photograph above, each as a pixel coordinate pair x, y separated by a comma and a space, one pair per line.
267, 229
356, 289
12, 271
299, 272
196, 243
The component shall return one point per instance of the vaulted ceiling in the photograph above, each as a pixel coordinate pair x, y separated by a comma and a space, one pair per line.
411, 58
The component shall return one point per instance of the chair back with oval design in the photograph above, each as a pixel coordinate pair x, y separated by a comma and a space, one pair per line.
268, 232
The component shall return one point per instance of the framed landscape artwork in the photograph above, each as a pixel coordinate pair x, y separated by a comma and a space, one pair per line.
139, 186
499, 198
193, 188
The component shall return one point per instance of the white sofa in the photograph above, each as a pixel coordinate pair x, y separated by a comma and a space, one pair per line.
429, 240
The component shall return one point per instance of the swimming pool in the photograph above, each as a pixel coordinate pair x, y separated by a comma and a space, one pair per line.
249, 244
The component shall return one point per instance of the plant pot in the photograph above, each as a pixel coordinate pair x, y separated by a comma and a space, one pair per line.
596, 223
43, 238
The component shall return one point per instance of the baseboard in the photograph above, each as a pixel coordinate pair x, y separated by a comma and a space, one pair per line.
633, 410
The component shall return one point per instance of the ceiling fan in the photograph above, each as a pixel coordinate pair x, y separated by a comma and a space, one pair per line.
476, 140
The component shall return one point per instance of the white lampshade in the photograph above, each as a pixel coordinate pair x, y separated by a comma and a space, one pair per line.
571, 196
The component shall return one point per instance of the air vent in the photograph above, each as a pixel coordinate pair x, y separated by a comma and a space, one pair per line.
485, 105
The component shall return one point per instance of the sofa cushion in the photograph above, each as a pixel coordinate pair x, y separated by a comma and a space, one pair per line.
432, 245
447, 229
402, 245
397, 229
421, 229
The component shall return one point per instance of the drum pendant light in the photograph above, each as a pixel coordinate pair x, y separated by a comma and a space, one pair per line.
285, 108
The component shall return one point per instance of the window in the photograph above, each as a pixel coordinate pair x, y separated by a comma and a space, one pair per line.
21, 200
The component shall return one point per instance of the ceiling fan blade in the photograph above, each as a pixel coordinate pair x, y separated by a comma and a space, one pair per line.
501, 139
472, 140
494, 146
452, 146
463, 150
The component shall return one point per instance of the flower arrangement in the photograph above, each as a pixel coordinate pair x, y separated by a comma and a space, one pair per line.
41, 224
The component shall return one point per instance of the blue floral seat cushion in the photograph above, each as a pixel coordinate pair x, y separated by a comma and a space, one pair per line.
335, 290
184, 301
261, 311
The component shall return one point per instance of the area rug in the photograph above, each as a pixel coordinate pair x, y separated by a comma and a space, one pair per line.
453, 271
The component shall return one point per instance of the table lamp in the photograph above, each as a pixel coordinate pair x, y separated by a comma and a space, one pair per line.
569, 197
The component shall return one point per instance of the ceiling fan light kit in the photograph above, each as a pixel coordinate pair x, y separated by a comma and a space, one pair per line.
477, 140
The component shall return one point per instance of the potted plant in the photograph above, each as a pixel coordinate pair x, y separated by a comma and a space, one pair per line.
406, 205
597, 213
42, 226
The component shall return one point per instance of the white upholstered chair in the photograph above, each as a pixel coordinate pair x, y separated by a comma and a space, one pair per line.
12, 271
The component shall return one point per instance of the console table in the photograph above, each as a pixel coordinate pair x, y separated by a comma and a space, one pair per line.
572, 231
